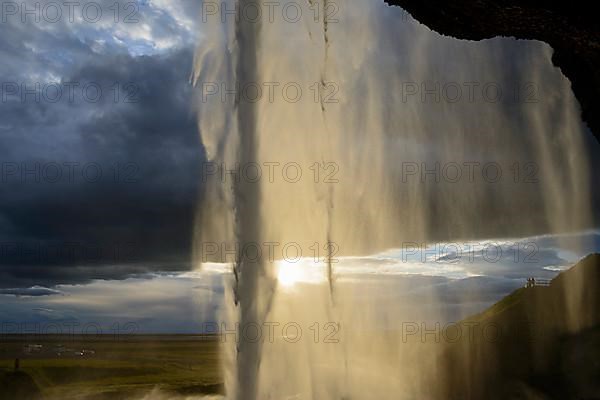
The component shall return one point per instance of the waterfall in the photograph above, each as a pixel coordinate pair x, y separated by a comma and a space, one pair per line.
342, 128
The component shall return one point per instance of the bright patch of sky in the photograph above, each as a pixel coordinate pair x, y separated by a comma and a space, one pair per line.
137, 27
182, 302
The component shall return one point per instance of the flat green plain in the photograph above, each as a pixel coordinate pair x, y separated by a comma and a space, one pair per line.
53, 367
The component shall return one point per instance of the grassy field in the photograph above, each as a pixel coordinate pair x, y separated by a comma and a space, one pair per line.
61, 367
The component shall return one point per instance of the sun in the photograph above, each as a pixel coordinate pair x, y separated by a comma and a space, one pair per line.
288, 273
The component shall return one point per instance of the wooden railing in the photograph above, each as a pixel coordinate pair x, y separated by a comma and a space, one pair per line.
532, 282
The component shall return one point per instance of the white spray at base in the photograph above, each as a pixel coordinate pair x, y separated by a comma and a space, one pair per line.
355, 96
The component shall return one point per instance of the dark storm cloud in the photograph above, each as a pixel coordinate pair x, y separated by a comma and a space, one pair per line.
95, 188
36, 291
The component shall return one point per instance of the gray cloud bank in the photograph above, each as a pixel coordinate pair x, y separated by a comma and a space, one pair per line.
96, 186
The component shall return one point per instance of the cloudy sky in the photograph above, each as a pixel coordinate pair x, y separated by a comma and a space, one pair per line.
442, 282
100, 162
99, 147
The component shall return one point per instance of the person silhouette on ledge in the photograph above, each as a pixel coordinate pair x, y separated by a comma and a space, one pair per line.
17, 364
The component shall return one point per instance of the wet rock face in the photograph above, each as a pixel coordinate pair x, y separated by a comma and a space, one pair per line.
569, 27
